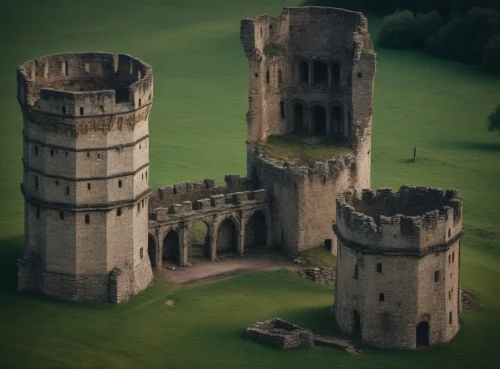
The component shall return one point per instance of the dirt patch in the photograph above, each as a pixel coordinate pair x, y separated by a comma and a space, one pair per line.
170, 302
227, 266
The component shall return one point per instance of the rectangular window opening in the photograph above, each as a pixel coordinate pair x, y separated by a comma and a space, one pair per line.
67, 190
61, 214
88, 186
381, 297
81, 111
379, 267
436, 276
356, 271
119, 211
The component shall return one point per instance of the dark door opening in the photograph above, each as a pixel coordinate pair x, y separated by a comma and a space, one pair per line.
298, 112
319, 116
422, 334
171, 247
152, 250
357, 324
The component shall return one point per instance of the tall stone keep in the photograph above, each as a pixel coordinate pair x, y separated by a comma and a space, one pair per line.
85, 177
398, 266
311, 75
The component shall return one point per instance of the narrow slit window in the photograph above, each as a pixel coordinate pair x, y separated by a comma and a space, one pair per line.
282, 110
356, 271
139, 102
51, 152
88, 186
381, 297
146, 174
64, 110
450, 319
36, 150
279, 78
67, 190
143, 204
87, 219
138, 206
36, 183
119, 211
81, 111
436, 276
119, 183
268, 78
61, 214
453, 257
379, 267
141, 252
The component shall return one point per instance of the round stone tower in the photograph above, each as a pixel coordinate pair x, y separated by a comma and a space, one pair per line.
85, 183
398, 275
311, 75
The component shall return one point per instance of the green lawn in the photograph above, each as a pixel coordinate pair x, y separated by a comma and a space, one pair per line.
198, 130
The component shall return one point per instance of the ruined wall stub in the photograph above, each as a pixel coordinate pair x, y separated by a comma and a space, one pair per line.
85, 183
311, 72
398, 274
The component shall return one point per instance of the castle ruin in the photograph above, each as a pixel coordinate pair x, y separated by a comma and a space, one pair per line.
95, 232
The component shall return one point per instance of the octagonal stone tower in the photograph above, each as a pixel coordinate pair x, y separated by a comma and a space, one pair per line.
85, 178
398, 275
311, 75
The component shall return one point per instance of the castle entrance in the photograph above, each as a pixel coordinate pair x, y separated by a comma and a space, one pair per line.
170, 250
227, 237
337, 122
256, 231
319, 121
357, 324
298, 116
152, 250
199, 241
422, 334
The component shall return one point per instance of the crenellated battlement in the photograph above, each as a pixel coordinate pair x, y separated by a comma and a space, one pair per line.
214, 202
85, 84
192, 191
414, 218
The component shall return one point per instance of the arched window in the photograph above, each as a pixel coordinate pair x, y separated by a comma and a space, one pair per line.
337, 121
303, 72
298, 117
282, 110
319, 120
320, 70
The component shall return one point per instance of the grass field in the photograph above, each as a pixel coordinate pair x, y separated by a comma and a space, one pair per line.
197, 130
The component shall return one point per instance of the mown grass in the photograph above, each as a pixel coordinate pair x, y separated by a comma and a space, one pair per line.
318, 257
198, 130
297, 151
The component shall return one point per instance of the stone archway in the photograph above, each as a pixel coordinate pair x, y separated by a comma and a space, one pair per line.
199, 240
319, 120
256, 231
422, 334
227, 237
170, 249
152, 250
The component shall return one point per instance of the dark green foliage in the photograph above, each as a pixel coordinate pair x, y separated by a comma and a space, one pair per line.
465, 5
274, 49
491, 57
464, 38
403, 30
493, 120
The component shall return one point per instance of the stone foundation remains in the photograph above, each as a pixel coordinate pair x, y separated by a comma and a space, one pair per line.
280, 334
319, 275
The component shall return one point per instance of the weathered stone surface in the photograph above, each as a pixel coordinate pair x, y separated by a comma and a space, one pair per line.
398, 266
279, 333
86, 163
323, 275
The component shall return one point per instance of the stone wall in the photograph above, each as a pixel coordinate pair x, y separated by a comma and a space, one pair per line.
324, 275
387, 287
193, 191
86, 164
280, 334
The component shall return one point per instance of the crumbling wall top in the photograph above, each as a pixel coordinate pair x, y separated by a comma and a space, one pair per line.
110, 81
415, 217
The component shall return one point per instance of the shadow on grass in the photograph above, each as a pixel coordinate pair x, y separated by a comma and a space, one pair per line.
11, 250
476, 146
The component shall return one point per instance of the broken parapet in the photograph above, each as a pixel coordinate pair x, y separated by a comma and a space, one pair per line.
414, 218
279, 333
193, 191
208, 204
